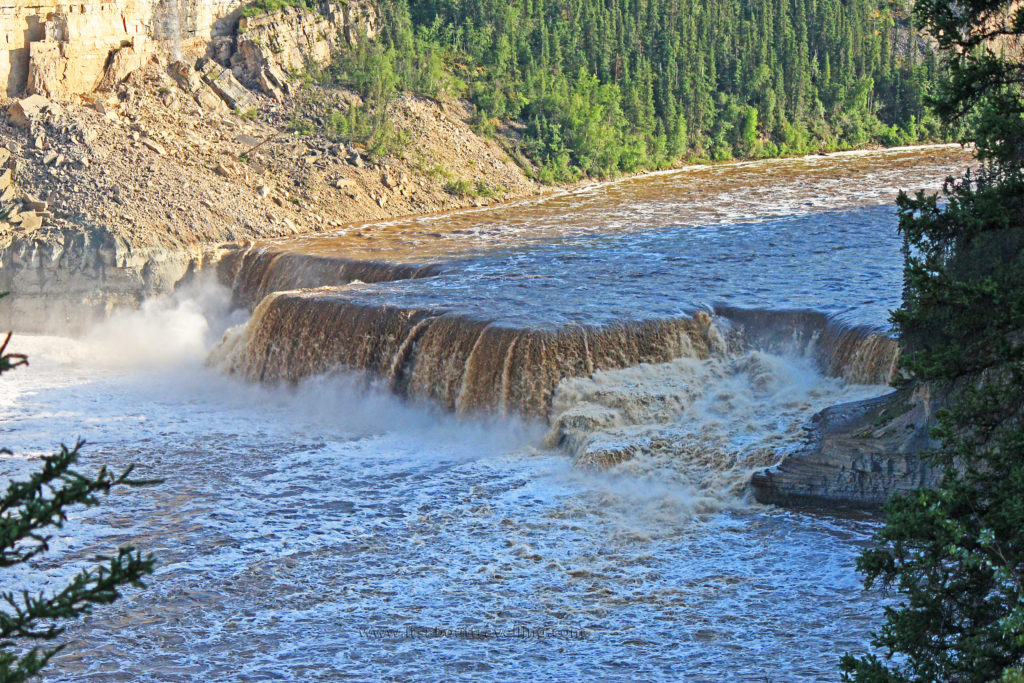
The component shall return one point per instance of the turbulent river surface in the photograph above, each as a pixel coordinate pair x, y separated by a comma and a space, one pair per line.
345, 526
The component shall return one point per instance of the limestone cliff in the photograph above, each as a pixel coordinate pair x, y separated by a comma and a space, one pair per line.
61, 50
270, 44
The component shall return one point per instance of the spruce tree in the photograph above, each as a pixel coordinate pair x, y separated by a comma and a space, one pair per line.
29, 510
956, 554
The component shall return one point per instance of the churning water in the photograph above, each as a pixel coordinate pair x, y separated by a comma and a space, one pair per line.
331, 529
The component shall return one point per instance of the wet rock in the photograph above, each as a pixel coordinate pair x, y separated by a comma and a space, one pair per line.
858, 454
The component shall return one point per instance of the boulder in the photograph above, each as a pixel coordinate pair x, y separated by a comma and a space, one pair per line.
31, 221
189, 81
227, 87
859, 454
123, 62
26, 110
247, 141
268, 86
154, 146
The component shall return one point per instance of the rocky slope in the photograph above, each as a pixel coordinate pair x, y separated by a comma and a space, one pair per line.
143, 181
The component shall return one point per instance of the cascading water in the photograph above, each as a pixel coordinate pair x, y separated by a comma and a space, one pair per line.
256, 272
534, 420
508, 324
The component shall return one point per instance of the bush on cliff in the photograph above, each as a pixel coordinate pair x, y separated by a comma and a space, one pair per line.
28, 510
956, 554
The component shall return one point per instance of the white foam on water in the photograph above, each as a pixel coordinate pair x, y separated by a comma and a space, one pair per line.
292, 519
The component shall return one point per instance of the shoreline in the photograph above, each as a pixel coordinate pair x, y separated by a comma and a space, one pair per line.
552, 191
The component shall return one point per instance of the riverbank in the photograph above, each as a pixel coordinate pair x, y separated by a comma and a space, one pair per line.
121, 194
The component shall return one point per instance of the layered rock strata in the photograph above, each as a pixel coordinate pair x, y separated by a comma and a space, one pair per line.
858, 454
60, 50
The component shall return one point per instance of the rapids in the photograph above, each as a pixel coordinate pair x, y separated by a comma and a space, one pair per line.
509, 444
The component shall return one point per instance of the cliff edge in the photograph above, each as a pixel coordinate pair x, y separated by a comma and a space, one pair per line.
858, 454
128, 180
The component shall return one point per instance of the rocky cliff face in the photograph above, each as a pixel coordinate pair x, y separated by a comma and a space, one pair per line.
271, 44
66, 279
61, 50
146, 133
118, 195
858, 454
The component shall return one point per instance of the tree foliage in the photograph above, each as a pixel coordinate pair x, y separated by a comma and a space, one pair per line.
600, 88
956, 554
28, 510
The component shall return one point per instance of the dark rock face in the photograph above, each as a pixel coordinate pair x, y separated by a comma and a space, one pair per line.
859, 454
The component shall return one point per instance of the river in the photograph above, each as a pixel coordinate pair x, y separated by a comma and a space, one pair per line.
428, 497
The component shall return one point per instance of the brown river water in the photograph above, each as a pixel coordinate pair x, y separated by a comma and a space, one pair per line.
504, 444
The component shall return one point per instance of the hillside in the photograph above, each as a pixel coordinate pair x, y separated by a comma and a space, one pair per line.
139, 136
603, 88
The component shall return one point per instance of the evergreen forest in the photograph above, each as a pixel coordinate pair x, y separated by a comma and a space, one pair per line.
597, 88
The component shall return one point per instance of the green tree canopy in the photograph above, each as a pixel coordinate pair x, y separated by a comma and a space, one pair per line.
600, 88
956, 554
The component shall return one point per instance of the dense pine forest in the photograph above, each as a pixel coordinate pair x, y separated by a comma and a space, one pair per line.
599, 87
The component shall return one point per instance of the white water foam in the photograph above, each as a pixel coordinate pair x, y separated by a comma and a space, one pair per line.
294, 518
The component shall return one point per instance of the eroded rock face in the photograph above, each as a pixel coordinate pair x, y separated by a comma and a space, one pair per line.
67, 280
858, 454
272, 44
60, 50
